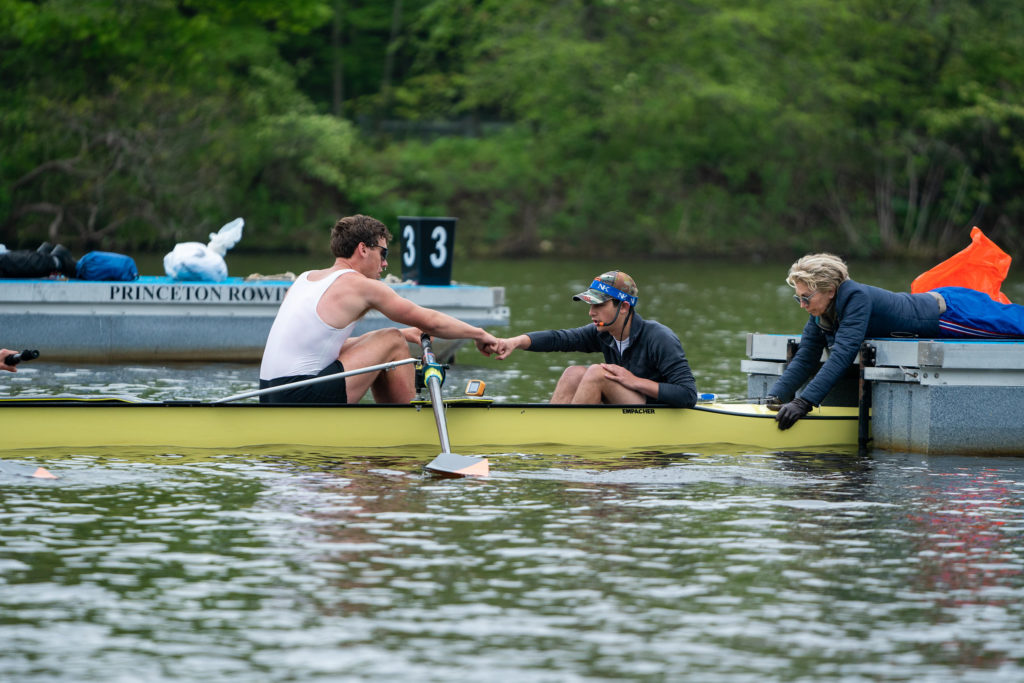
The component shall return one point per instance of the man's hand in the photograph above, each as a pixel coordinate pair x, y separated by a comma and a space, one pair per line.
487, 344
619, 374
504, 347
3, 365
792, 411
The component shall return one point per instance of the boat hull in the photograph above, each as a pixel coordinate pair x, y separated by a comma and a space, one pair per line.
473, 426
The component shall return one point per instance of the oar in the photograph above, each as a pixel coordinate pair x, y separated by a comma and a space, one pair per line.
446, 463
11, 468
315, 380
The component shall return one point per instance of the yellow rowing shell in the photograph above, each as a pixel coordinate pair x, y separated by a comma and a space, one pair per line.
473, 425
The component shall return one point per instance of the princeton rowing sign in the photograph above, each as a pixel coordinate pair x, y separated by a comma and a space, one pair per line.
183, 293
38, 295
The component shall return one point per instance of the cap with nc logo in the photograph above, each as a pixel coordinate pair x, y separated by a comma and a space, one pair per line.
614, 284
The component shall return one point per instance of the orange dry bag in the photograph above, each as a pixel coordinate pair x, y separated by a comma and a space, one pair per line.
982, 266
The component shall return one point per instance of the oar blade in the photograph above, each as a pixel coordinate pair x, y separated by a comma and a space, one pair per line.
16, 469
454, 465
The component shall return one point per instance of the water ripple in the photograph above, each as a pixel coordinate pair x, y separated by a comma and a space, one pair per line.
720, 568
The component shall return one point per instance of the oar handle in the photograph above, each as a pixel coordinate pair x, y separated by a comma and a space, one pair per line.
433, 377
428, 350
27, 354
429, 368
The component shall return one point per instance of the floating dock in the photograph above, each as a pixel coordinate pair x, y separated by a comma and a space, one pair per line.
160, 319
934, 396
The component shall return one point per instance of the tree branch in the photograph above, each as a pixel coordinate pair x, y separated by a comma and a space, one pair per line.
66, 165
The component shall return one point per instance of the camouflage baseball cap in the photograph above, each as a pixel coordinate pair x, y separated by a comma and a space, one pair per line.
611, 285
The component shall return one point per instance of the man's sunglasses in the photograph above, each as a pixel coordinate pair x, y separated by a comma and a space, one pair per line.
804, 299
383, 250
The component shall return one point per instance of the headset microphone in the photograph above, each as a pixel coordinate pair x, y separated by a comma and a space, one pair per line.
618, 309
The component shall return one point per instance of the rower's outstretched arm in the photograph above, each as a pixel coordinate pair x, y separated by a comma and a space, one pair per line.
434, 323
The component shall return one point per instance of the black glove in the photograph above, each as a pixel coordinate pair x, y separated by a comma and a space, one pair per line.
792, 411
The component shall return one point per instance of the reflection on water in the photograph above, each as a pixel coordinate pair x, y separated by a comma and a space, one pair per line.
709, 563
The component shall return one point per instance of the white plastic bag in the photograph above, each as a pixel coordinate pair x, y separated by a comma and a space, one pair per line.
205, 262
226, 237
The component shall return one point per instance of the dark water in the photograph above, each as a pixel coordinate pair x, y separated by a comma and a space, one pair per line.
702, 565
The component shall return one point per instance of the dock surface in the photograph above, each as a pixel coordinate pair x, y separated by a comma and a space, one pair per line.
157, 318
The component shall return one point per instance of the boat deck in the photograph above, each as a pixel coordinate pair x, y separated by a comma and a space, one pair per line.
927, 395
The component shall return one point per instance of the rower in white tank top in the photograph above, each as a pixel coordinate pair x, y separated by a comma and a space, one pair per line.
300, 342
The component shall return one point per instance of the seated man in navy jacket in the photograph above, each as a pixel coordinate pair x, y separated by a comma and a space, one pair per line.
644, 361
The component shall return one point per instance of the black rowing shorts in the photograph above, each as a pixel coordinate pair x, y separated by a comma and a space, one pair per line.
321, 392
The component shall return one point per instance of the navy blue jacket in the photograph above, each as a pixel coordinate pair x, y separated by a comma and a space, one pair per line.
654, 353
857, 312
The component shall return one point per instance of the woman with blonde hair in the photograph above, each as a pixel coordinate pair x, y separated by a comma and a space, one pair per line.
843, 313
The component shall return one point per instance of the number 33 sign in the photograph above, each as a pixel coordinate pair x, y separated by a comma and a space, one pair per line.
426, 245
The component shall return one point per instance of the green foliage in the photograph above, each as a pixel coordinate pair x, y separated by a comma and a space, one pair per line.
726, 126
131, 124
582, 126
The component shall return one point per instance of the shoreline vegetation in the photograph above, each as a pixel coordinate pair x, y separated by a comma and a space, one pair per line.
739, 130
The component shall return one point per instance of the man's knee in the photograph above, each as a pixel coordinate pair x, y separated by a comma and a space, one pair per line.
387, 338
592, 373
376, 346
574, 373
394, 336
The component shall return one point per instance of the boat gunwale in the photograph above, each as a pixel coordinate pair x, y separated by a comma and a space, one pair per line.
113, 401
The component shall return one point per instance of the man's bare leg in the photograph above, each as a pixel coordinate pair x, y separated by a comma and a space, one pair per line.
595, 387
565, 390
379, 346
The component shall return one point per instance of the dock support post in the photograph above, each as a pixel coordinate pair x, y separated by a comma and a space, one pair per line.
867, 359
